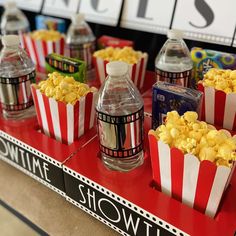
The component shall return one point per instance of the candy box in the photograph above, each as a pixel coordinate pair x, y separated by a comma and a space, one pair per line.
41, 43
204, 59
66, 66
137, 66
167, 97
50, 23
108, 41
64, 122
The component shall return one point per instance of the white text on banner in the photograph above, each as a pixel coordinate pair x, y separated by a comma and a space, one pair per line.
206, 20
148, 15
61, 8
105, 12
30, 5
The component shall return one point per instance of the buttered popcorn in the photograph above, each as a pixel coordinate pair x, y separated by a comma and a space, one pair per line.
224, 80
64, 88
198, 138
47, 35
126, 54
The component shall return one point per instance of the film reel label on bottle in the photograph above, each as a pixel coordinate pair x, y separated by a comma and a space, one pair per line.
180, 78
16, 93
121, 136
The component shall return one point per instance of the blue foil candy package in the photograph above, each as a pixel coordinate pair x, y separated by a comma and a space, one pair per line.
168, 97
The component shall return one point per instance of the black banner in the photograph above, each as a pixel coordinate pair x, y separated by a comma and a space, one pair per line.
33, 164
117, 214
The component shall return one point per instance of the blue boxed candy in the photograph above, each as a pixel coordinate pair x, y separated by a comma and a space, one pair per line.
50, 23
168, 97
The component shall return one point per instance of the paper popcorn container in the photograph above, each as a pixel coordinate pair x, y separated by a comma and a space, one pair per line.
218, 108
64, 122
136, 71
199, 184
39, 49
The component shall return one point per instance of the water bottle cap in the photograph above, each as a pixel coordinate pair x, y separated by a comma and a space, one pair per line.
10, 40
77, 18
117, 68
10, 4
175, 34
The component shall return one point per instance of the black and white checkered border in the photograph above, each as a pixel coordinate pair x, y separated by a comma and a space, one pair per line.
133, 207
96, 216
32, 176
208, 38
30, 149
153, 28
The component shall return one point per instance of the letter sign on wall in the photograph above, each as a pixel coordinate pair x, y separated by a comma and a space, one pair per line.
61, 8
206, 20
105, 12
148, 15
30, 5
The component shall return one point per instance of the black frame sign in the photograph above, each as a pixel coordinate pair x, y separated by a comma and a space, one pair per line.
113, 210
32, 162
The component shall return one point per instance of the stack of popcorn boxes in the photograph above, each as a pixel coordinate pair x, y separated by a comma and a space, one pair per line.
65, 108
136, 60
43, 42
192, 161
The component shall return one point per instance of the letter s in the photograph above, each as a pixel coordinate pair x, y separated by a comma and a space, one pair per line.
94, 4
205, 10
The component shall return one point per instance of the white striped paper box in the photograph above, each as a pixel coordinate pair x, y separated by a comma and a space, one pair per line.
39, 49
64, 122
136, 71
199, 184
218, 108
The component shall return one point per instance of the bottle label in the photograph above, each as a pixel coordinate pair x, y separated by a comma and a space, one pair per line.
180, 78
84, 52
15, 93
121, 136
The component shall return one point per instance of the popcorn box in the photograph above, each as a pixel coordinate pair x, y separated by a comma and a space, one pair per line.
204, 60
39, 49
218, 108
136, 71
199, 185
64, 122
108, 41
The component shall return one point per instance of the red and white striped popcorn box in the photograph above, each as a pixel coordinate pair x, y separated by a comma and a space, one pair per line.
136, 71
198, 184
39, 49
218, 108
64, 122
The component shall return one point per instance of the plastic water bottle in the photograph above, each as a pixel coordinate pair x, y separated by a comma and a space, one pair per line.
80, 41
17, 72
173, 64
13, 20
120, 119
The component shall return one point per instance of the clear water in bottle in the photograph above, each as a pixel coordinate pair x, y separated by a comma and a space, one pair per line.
80, 40
13, 20
173, 64
120, 120
17, 72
